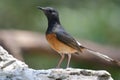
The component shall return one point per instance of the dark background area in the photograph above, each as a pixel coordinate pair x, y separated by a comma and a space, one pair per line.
94, 20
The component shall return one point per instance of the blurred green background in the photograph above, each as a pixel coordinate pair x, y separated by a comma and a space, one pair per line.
95, 20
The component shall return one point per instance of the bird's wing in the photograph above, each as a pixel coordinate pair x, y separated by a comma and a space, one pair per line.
68, 40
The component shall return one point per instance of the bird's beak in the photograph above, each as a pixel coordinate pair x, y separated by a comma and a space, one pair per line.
41, 8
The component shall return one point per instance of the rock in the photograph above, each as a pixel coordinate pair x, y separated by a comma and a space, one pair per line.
13, 69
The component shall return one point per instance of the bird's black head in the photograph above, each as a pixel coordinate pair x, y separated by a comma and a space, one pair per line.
49, 12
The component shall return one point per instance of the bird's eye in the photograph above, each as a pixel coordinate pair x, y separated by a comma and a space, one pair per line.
50, 11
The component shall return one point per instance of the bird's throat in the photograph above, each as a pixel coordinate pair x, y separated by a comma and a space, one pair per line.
52, 22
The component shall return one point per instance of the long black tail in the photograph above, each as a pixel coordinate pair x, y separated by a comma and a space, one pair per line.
100, 55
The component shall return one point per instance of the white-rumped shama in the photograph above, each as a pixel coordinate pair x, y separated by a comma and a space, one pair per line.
61, 41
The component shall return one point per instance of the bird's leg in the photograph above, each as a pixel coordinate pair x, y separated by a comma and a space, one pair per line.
60, 61
69, 58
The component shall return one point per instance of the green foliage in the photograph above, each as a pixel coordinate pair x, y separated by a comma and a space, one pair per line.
96, 20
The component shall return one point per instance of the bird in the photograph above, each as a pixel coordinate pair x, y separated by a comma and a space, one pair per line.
62, 42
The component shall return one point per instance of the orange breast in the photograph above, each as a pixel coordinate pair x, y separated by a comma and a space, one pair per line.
59, 46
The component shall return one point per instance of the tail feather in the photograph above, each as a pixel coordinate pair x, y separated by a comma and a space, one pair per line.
102, 56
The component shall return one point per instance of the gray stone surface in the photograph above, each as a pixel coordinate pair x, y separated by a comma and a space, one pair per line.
13, 69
